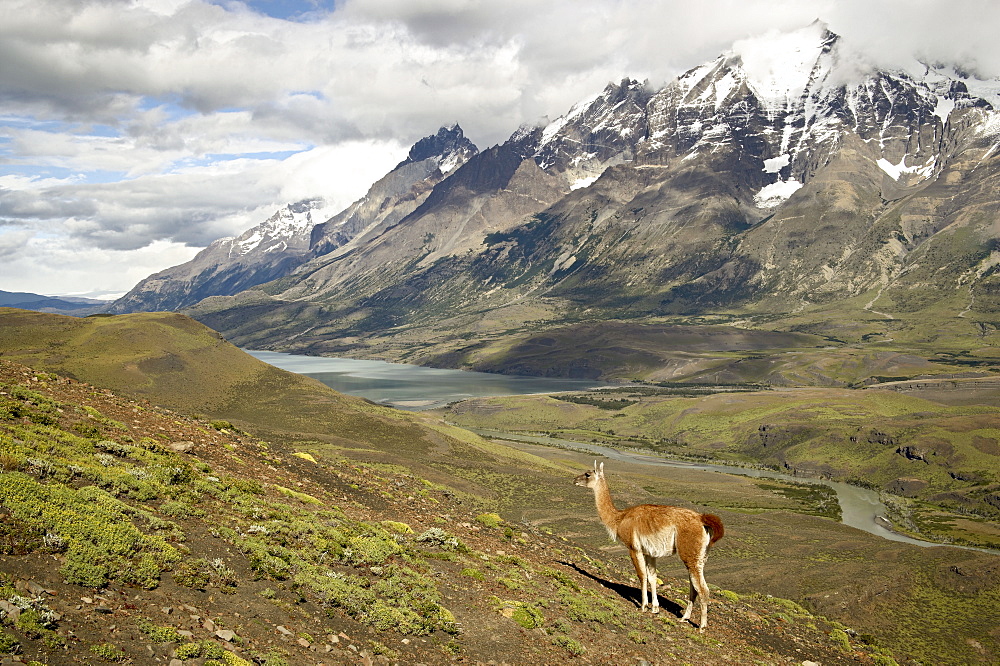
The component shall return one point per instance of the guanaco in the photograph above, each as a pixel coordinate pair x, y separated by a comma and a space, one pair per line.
650, 531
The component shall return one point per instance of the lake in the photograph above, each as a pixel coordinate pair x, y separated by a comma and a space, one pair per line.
413, 387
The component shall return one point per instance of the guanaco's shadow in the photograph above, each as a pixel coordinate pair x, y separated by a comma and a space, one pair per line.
628, 592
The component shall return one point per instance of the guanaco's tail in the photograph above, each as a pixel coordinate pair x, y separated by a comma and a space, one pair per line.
714, 526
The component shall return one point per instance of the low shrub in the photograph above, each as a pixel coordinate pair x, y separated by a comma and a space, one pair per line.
109, 652
8, 644
572, 645
159, 634
492, 520
840, 638
101, 541
435, 536
527, 616
192, 573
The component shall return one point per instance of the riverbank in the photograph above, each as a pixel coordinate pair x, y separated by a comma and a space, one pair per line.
861, 508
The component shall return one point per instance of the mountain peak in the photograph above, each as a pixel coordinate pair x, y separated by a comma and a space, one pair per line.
449, 141
780, 65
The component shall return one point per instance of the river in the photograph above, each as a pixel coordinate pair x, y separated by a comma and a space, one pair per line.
860, 508
415, 388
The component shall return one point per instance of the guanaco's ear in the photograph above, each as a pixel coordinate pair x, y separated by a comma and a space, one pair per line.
601, 471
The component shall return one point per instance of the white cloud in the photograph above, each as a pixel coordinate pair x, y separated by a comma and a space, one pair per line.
342, 173
889, 32
56, 266
13, 243
197, 204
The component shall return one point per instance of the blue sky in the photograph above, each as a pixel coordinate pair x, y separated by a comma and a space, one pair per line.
135, 132
292, 10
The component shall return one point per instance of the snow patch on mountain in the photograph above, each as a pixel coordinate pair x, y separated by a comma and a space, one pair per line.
775, 194
581, 183
552, 129
276, 233
776, 164
990, 125
451, 162
896, 170
943, 109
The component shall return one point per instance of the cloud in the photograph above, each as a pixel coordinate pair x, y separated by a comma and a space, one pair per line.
195, 205
13, 243
343, 74
57, 266
890, 32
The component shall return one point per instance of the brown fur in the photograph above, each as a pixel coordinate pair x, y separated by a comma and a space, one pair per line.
714, 526
650, 531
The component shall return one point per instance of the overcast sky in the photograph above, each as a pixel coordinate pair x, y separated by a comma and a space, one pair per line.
135, 132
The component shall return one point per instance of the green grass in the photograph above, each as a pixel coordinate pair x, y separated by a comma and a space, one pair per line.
99, 509
862, 436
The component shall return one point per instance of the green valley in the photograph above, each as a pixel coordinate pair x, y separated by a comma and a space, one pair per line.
302, 526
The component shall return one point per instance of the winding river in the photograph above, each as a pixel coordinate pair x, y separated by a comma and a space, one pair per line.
860, 508
415, 387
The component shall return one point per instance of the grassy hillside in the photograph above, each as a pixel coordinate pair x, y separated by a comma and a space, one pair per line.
175, 362
168, 358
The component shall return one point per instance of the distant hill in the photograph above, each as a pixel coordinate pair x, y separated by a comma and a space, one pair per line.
175, 362
71, 305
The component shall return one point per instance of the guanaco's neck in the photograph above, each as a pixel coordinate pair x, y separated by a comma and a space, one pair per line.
605, 506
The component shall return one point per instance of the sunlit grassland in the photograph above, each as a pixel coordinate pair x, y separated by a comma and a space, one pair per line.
948, 457
176, 362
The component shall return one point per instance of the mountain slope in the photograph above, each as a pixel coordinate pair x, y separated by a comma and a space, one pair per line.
763, 186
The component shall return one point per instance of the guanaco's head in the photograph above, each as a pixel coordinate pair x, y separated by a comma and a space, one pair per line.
590, 479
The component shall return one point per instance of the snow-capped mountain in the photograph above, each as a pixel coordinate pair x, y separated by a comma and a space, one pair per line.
776, 179
595, 133
287, 229
298, 232
230, 265
430, 160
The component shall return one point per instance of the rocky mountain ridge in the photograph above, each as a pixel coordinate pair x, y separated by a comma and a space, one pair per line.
759, 186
